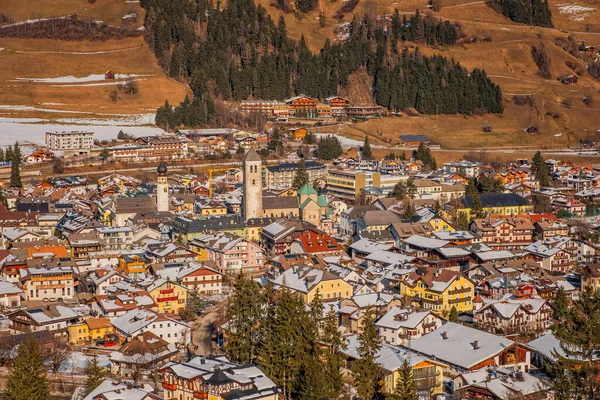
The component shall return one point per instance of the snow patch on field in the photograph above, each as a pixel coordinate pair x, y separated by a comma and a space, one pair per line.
80, 52
575, 12
33, 21
34, 130
73, 79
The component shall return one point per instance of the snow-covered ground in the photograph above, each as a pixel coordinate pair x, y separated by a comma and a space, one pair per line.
34, 129
575, 12
73, 79
343, 140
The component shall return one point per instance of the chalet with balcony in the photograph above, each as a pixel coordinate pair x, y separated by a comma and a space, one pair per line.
399, 325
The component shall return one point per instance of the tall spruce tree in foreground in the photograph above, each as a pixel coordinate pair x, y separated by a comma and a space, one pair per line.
578, 330
405, 389
333, 357
27, 375
17, 155
367, 373
302, 177
15, 174
366, 149
245, 312
95, 375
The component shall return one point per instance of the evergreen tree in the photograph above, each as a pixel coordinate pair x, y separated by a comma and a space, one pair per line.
476, 206
245, 312
409, 211
95, 375
406, 388
367, 372
471, 188
17, 156
302, 177
333, 357
8, 155
411, 187
329, 148
540, 170
27, 374
15, 175
399, 191
462, 222
560, 304
2, 159
366, 149
3, 200
453, 315
579, 339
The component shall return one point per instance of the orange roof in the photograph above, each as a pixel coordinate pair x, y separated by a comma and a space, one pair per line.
98, 323
58, 251
318, 242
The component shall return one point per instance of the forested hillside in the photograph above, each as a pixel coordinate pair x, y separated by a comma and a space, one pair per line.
530, 12
239, 52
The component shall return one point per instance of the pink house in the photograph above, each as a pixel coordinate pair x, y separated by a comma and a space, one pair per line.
230, 253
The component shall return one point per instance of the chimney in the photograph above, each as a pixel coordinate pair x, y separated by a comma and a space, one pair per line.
475, 344
444, 335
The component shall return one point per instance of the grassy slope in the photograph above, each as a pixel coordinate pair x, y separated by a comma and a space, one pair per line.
506, 59
32, 58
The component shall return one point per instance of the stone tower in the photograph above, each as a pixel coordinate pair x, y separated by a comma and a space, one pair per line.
252, 203
162, 188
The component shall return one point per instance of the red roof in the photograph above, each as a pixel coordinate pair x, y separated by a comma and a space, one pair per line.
314, 242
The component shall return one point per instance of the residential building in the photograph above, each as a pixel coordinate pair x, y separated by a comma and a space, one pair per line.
558, 253
513, 230
90, 331
497, 384
439, 290
195, 276
112, 389
231, 254
399, 325
10, 295
116, 237
53, 318
497, 204
347, 184
310, 242
309, 281
166, 326
467, 169
169, 296
468, 349
216, 379
41, 283
69, 140
282, 175
511, 315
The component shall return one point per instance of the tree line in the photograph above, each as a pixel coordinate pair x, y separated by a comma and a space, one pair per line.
530, 12
239, 52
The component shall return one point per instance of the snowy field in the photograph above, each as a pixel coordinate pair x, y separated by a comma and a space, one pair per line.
575, 12
34, 129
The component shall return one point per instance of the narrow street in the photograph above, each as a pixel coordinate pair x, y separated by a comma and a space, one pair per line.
203, 330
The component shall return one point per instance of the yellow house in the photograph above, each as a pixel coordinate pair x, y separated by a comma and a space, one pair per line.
169, 296
91, 330
208, 207
427, 375
439, 290
497, 204
133, 264
440, 224
309, 281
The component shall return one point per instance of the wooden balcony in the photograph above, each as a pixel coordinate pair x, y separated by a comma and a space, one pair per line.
459, 291
459, 300
200, 395
169, 386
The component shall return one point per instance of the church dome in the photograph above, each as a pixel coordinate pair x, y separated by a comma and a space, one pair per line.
162, 168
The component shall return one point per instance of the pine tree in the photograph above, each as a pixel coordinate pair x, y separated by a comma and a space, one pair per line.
95, 375
399, 191
471, 188
302, 177
406, 388
409, 211
476, 206
561, 304
27, 374
577, 332
15, 175
334, 359
453, 315
3, 200
462, 222
9, 154
411, 187
245, 312
17, 156
2, 159
367, 372
540, 170
366, 149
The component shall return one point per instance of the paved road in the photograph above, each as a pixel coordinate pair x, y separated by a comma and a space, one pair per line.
203, 330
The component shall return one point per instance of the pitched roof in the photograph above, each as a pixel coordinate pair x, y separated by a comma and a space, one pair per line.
252, 156
497, 200
307, 189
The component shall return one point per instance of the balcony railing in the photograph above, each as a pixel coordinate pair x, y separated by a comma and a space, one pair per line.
169, 386
200, 395
458, 291
461, 299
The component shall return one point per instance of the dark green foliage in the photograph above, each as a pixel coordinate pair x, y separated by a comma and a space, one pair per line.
9, 154
27, 375
406, 388
476, 206
542, 60
367, 372
530, 12
423, 153
334, 359
195, 305
366, 149
95, 375
540, 170
241, 52
329, 148
560, 305
3, 200
301, 177
17, 156
471, 188
486, 184
399, 191
453, 315
2, 159
462, 222
15, 175
306, 5
578, 333
409, 211
427, 29
245, 314
411, 188
310, 138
